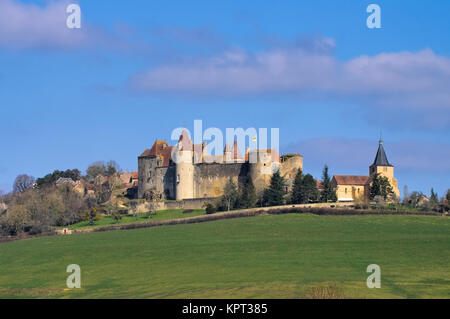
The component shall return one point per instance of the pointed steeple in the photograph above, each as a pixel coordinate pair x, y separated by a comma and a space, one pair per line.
381, 158
227, 148
235, 151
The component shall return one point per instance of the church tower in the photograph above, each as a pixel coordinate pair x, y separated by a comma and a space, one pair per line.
382, 166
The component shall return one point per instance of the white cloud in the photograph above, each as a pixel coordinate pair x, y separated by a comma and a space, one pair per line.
416, 82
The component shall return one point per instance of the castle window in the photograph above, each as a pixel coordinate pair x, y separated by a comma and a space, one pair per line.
346, 190
178, 178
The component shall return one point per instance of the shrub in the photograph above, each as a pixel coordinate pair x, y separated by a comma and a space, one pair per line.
210, 208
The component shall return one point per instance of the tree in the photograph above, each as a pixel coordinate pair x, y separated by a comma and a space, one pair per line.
247, 198
22, 183
111, 168
328, 192
94, 170
309, 189
380, 186
274, 195
433, 196
230, 195
91, 216
51, 178
304, 189
447, 195
297, 193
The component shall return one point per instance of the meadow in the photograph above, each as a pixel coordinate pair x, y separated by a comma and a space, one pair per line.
108, 220
270, 256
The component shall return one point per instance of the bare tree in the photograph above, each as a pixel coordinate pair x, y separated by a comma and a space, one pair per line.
22, 183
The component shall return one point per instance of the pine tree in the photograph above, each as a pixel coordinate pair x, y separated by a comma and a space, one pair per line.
380, 186
309, 189
433, 196
274, 195
296, 193
328, 193
247, 197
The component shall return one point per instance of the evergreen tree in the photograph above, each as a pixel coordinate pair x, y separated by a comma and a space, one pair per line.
274, 195
328, 193
310, 193
433, 196
296, 193
230, 195
247, 197
380, 186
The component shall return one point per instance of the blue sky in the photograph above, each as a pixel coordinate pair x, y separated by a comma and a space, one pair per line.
137, 70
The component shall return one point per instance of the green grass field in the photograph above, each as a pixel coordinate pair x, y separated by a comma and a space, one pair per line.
141, 218
282, 256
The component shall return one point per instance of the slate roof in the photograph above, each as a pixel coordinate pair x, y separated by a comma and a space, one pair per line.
381, 158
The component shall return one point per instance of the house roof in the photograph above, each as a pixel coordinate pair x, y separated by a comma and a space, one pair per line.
351, 179
381, 158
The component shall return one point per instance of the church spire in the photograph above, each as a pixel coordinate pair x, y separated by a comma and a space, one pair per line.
381, 158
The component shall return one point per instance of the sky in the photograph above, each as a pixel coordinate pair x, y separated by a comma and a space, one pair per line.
136, 70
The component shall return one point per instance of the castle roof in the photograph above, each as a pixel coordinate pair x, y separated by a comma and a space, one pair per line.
227, 148
235, 151
161, 149
184, 141
381, 158
351, 179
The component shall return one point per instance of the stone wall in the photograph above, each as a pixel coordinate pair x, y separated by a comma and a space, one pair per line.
210, 179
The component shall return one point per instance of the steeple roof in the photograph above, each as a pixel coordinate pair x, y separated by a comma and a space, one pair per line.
381, 158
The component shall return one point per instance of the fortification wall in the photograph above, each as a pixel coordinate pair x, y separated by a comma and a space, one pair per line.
210, 178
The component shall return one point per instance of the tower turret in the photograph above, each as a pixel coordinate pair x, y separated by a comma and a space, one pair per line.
184, 167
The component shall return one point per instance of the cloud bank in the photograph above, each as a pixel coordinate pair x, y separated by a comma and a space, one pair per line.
416, 83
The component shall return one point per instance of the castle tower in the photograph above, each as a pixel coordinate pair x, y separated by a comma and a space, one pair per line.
184, 168
262, 164
382, 166
227, 155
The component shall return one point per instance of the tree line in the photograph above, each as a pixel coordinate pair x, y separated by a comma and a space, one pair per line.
38, 205
304, 190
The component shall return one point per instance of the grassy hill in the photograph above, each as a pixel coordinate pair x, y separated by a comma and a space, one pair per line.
285, 256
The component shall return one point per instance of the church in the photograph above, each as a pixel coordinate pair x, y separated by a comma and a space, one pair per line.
354, 187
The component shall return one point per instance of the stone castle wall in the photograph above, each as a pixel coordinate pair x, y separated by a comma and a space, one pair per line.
210, 179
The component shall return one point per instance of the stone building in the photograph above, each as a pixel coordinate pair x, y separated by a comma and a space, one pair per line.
354, 187
187, 171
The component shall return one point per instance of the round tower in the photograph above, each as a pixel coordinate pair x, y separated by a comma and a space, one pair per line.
184, 168
260, 169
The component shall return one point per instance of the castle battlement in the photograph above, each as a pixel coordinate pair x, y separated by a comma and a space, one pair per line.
186, 170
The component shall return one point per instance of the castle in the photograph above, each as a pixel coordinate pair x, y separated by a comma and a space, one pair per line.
187, 171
